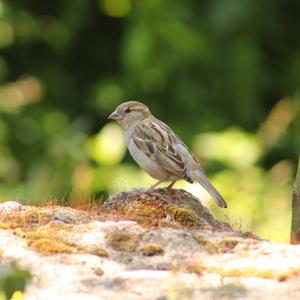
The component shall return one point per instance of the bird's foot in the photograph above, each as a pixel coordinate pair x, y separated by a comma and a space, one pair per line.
147, 192
170, 188
171, 191
141, 190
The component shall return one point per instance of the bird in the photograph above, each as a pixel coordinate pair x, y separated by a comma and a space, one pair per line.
158, 150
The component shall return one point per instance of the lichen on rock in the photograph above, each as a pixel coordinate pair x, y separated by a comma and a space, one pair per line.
163, 207
159, 245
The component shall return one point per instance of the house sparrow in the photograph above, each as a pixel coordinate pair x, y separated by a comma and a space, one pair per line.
158, 150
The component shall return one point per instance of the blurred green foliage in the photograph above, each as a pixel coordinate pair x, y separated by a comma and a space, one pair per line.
13, 280
224, 74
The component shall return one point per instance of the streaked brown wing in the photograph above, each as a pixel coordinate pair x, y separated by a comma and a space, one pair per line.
157, 140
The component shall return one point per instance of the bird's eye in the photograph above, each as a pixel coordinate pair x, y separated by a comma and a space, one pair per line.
127, 110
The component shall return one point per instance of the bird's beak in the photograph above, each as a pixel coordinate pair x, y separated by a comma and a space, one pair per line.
114, 116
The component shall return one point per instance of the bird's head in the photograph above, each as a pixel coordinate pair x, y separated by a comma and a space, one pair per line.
129, 113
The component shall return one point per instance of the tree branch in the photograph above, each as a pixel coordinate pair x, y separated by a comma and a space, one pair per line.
295, 228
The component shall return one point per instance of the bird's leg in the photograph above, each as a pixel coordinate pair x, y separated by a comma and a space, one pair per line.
169, 187
152, 187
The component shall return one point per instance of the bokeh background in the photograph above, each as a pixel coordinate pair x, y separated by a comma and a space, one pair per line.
224, 74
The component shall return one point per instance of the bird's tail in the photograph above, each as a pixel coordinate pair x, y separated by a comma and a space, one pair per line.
201, 178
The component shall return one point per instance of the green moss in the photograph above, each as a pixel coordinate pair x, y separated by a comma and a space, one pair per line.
229, 291
192, 267
22, 219
4, 226
46, 239
97, 271
184, 216
162, 208
47, 246
51, 239
151, 249
217, 245
95, 250
122, 241
256, 272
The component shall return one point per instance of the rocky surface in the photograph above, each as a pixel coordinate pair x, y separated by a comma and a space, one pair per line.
163, 245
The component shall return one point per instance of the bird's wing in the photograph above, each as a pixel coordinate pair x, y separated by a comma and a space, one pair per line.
158, 142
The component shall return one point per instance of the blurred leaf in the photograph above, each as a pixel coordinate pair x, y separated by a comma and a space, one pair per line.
108, 146
13, 279
223, 74
233, 147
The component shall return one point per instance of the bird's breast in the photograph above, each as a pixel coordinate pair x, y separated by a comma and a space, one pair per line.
146, 162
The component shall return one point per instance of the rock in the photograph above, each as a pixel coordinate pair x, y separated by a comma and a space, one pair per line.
165, 208
144, 246
10, 206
